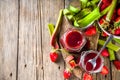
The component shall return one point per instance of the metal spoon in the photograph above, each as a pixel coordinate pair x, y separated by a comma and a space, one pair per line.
93, 61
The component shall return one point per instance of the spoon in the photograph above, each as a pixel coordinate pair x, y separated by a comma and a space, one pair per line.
93, 61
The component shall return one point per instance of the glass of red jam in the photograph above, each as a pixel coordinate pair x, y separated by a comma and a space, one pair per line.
87, 55
73, 40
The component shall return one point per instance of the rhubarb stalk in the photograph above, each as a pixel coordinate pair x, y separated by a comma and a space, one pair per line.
55, 32
112, 54
111, 11
51, 28
94, 15
110, 45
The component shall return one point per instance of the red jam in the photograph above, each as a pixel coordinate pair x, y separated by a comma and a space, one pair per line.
73, 40
89, 66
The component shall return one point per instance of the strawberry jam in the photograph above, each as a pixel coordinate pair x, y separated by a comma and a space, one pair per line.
73, 40
87, 66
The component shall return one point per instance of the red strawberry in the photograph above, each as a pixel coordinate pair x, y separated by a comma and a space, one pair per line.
117, 20
118, 11
105, 53
53, 56
101, 21
69, 58
117, 64
91, 31
72, 63
104, 70
87, 76
104, 34
117, 31
67, 73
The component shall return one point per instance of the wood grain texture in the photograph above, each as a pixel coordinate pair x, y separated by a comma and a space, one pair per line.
8, 39
24, 41
30, 56
49, 14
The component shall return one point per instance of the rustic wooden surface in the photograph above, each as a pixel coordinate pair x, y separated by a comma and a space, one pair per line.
24, 41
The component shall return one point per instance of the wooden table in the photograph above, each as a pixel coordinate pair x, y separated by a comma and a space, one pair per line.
24, 41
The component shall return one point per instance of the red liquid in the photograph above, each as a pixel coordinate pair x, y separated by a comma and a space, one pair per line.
89, 66
73, 39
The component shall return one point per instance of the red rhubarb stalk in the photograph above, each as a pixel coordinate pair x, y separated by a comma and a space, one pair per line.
55, 32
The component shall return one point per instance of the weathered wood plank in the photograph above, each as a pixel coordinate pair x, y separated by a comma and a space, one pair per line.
8, 39
49, 14
30, 56
115, 72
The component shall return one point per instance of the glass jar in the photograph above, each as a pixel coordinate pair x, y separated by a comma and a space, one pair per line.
87, 55
73, 40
